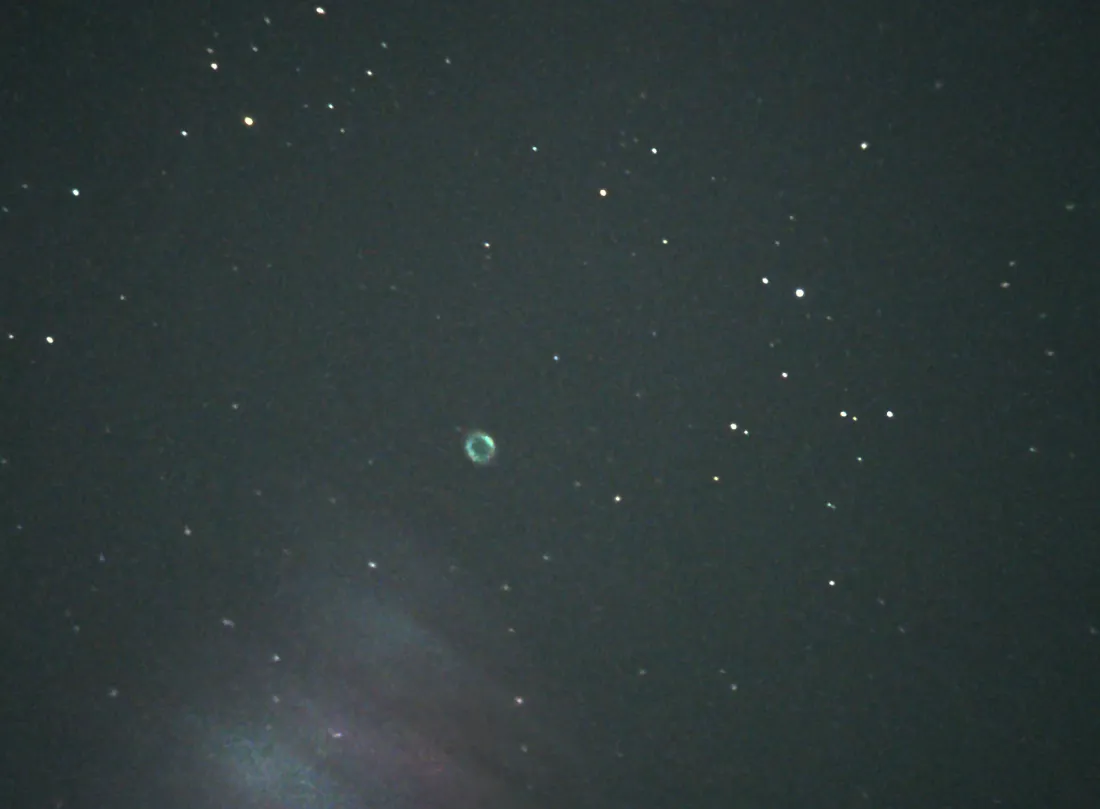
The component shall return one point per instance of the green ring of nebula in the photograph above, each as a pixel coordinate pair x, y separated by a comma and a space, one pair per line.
480, 447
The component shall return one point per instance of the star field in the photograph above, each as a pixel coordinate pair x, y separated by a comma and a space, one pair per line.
780, 326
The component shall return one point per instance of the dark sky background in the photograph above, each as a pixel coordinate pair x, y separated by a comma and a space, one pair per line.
783, 317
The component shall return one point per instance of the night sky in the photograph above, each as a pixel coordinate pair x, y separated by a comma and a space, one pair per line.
781, 319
